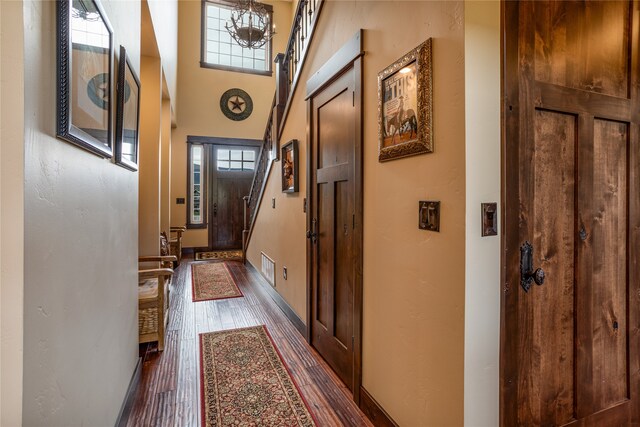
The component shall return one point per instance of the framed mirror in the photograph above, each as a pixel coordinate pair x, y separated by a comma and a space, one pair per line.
127, 114
85, 75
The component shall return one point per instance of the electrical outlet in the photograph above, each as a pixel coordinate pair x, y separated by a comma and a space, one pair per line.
284, 272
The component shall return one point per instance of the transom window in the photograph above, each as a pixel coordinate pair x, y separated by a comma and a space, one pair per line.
220, 51
235, 160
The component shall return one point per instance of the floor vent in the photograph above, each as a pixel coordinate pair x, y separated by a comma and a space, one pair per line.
268, 269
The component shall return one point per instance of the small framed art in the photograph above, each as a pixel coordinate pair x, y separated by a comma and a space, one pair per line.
289, 161
127, 114
405, 105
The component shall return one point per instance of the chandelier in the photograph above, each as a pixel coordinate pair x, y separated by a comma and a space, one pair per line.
250, 24
80, 10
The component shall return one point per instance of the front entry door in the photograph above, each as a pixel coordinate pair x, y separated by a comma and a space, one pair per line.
333, 255
570, 317
232, 170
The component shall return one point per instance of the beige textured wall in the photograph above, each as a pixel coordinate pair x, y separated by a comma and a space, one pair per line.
164, 16
150, 155
414, 281
482, 308
199, 92
80, 266
11, 211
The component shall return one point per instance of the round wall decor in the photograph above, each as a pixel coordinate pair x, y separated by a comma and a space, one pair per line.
236, 104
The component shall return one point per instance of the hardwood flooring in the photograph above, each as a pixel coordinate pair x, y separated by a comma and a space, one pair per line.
168, 393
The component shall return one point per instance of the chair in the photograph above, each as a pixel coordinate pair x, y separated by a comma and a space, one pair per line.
175, 242
153, 299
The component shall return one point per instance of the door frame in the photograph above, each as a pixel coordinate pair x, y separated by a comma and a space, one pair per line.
347, 57
208, 142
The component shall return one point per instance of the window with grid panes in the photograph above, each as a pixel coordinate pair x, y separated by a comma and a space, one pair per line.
220, 51
235, 160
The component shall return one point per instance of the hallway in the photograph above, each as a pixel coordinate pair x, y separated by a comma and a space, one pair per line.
168, 393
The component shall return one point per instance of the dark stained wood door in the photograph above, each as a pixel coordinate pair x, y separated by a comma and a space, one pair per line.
569, 347
333, 255
230, 181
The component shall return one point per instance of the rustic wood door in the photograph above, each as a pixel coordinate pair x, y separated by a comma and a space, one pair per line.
333, 245
232, 170
569, 347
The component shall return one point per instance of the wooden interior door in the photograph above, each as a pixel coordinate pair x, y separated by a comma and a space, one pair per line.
231, 176
333, 253
569, 347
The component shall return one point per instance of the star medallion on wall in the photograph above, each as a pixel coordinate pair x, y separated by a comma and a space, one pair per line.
236, 104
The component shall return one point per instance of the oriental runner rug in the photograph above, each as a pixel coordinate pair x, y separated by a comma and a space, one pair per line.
224, 255
212, 281
244, 382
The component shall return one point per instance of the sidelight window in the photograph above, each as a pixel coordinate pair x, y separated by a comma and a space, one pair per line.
197, 189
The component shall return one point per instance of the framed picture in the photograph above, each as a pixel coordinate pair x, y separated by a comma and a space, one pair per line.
85, 76
405, 110
289, 160
127, 114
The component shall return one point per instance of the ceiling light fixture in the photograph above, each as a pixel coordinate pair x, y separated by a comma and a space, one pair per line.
250, 24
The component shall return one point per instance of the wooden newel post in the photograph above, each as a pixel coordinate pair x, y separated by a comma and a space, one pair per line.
245, 229
282, 93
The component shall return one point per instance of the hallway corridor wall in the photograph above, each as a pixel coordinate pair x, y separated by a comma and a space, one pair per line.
414, 280
81, 229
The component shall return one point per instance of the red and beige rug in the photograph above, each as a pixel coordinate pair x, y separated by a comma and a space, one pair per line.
224, 255
244, 382
213, 281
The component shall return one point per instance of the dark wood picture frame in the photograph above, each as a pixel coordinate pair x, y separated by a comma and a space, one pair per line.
403, 131
290, 170
77, 118
128, 88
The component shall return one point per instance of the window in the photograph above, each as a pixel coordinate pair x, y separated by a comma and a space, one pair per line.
235, 160
197, 189
220, 51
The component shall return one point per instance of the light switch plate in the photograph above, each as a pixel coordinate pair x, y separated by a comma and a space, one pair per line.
273, 202
489, 219
429, 215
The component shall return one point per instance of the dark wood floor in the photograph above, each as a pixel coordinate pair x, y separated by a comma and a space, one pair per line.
168, 394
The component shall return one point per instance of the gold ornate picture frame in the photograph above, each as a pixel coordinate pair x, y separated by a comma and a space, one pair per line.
405, 105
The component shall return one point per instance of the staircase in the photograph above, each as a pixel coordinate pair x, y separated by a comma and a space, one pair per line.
288, 68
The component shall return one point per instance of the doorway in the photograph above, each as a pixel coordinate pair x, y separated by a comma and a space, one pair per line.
334, 216
231, 173
570, 340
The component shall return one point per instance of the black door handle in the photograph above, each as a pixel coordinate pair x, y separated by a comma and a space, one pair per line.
312, 234
527, 273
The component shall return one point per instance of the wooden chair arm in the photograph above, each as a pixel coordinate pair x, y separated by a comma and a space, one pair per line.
155, 272
164, 258
183, 228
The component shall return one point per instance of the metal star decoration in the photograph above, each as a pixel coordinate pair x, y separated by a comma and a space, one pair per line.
237, 104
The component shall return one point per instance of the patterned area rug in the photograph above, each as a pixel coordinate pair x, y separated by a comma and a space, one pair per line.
213, 281
244, 382
226, 255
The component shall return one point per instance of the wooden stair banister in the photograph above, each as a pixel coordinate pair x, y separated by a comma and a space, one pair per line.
288, 68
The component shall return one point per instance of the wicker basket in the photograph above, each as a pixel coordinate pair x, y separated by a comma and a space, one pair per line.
148, 321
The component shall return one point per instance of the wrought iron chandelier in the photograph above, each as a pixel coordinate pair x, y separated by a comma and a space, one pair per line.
80, 10
250, 24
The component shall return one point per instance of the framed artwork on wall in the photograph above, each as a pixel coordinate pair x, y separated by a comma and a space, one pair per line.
85, 75
290, 172
405, 105
127, 114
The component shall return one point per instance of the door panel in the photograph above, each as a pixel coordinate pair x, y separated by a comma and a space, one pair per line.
228, 187
332, 204
583, 45
570, 347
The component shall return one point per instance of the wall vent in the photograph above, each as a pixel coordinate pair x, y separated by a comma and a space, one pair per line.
268, 269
